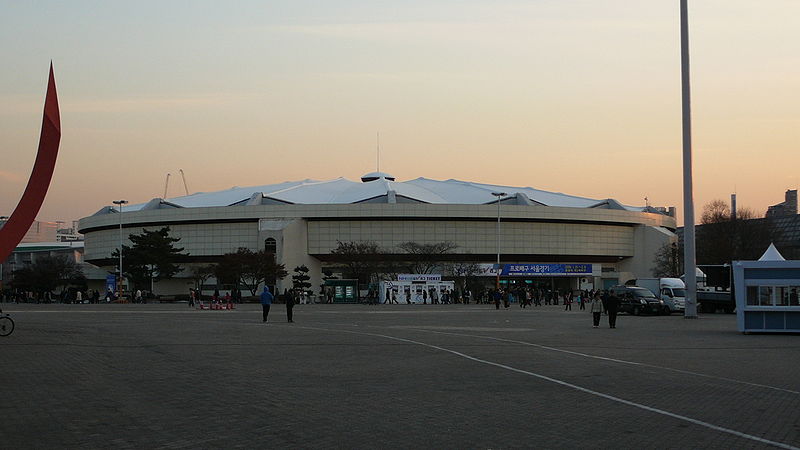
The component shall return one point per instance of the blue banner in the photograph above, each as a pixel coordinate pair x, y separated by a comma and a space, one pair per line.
111, 283
515, 270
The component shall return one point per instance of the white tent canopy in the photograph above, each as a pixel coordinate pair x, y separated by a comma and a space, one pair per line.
772, 254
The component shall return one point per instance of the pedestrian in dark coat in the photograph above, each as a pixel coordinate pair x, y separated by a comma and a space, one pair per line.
266, 302
612, 303
289, 307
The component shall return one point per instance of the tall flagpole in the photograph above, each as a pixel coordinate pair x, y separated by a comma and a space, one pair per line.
689, 263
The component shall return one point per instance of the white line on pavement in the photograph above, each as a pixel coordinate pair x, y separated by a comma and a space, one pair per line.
573, 386
620, 361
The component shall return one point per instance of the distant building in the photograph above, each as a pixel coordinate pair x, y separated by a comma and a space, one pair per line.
782, 225
27, 254
787, 208
69, 234
39, 231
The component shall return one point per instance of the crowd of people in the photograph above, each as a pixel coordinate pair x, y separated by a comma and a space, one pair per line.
65, 296
597, 302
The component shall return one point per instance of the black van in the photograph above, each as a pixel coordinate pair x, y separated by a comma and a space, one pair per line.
637, 300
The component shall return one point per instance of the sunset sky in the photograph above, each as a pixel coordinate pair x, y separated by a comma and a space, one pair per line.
573, 96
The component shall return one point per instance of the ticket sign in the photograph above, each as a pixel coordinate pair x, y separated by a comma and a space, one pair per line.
512, 270
418, 277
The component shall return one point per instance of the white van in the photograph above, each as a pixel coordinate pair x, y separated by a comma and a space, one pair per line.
671, 290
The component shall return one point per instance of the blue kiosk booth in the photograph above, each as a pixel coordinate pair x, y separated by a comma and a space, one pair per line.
767, 294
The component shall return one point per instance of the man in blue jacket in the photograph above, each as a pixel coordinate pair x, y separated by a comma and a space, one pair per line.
266, 301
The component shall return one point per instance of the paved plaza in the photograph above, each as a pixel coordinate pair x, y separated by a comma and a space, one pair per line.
403, 376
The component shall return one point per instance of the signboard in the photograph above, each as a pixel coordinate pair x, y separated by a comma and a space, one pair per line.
418, 277
344, 291
511, 270
536, 270
111, 283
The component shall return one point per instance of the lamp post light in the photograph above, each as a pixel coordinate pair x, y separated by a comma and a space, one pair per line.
499, 196
120, 203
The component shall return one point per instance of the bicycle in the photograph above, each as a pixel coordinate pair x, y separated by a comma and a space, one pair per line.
6, 324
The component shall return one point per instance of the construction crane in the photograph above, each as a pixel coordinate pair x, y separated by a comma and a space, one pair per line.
185, 188
166, 185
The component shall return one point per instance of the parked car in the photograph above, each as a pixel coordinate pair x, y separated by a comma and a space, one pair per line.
671, 290
637, 300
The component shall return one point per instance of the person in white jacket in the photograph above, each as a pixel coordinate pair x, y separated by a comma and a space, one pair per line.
596, 309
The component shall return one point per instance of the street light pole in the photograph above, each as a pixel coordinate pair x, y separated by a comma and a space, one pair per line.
120, 203
3, 219
689, 263
499, 196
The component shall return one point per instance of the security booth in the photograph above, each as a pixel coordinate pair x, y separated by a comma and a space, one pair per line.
344, 291
415, 289
767, 294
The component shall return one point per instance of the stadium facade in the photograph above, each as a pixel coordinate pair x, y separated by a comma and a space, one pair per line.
541, 232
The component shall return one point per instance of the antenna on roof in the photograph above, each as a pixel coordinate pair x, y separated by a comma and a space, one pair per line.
166, 185
378, 133
184, 181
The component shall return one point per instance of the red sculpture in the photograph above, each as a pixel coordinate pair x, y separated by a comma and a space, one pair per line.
33, 197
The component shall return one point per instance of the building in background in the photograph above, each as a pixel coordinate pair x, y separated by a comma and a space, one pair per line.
545, 233
68, 234
780, 225
786, 208
26, 254
40, 231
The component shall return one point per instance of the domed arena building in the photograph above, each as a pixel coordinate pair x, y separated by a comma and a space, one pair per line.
544, 237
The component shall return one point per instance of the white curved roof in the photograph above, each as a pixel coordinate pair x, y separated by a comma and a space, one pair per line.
422, 190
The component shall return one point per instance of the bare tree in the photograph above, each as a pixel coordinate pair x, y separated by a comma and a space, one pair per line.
715, 211
362, 260
201, 274
426, 258
668, 261
250, 269
722, 240
464, 273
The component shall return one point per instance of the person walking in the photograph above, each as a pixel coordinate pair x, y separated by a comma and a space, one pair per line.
191, 298
612, 303
568, 301
596, 308
266, 302
289, 307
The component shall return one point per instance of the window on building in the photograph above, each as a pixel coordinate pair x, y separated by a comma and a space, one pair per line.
765, 295
752, 295
794, 291
773, 296
271, 246
782, 296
